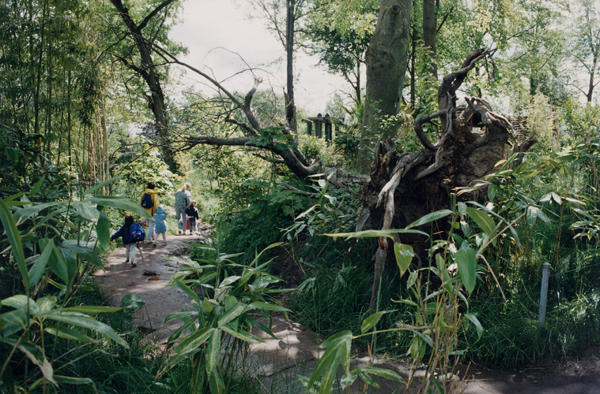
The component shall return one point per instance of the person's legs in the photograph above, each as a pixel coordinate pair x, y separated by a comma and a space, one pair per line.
164, 236
192, 225
151, 226
180, 215
130, 253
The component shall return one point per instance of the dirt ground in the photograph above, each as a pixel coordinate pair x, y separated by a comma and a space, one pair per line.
276, 363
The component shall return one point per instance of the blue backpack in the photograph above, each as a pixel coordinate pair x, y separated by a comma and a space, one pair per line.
136, 232
147, 201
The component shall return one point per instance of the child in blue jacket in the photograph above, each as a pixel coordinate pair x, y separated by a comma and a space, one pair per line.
160, 218
129, 243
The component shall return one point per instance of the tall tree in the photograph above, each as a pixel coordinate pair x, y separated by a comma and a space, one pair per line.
387, 61
283, 17
144, 39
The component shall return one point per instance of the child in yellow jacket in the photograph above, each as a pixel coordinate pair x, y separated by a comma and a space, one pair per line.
150, 205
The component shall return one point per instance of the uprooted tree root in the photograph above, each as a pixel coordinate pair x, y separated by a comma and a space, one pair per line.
405, 186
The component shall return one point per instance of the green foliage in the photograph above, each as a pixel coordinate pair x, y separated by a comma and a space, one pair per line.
226, 309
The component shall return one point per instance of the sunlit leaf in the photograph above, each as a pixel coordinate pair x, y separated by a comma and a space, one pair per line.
466, 260
404, 255
430, 217
371, 321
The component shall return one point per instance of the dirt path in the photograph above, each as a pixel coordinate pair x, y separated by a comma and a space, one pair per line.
278, 362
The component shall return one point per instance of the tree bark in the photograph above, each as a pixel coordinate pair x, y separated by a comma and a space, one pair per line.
387, 60
290, 105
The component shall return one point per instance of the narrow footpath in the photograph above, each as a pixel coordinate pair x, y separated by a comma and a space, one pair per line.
277, 362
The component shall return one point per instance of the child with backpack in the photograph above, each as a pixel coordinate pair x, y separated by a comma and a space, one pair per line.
149, 201
131, 233
192, 215
160, 218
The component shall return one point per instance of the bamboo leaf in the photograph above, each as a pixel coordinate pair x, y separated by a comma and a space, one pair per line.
232, 314
404, 255
430, 217
85, 321
371, 321
103, 230
475, 321
22, 302
242, 335
483, 220
14, 237
37, 270
213, 352
376, 233
466, 260
192, 342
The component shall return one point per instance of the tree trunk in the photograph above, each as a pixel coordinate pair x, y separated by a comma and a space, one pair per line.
290, 105
147, 70
387, 60
405, 186
430, 33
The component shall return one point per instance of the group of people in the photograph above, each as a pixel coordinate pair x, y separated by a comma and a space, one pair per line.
185, 210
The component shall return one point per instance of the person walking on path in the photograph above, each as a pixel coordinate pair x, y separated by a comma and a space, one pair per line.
149, 201
160, 218
183, 199
128, 240
192, 214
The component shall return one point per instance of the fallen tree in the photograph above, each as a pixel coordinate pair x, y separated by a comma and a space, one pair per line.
405, 186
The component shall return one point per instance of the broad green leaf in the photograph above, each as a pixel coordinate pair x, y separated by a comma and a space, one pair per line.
38, 268
35, 354
229, 280
232, 314
367, 378
384, 373
13, 321
213, 352
412, 279
93, 309
264, 306
475, 321
84, 321
534, 213
371, 321
430, 217
58, 265
483, 220
404, 255
132, 301
192, 342
376, 233
22, 302
187, 290
337, 352
85, 210
69, 334
14, 237
123, 203
215, 381
103, 230
99, 186
241, 334
466, 260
